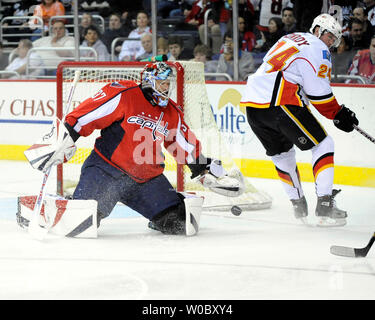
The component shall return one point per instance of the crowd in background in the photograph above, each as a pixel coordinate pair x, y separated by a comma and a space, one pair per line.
181, 33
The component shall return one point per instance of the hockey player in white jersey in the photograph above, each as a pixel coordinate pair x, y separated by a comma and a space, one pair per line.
296, 71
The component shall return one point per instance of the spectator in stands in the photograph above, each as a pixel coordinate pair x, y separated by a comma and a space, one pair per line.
270, 37
247, 37
370, 12
177, 50
115, 30
360, 13
3, 57
247, 11
164, 7
18, 9
271, 9
86, 21
202, 53
92, 35
126, 21
19, 63
132, 48
288, 20
48, 9
225, 64
58, 40
196, 18
146, 40
68, 6
183, 10
364, 64
221, 13
341, 59
355, 36
162, 45
346, 6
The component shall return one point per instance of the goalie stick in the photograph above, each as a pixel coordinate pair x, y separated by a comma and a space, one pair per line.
353, 252
35, 229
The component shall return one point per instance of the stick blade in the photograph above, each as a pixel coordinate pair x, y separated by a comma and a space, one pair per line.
343, 251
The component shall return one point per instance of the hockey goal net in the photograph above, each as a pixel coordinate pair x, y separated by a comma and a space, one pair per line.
190, 93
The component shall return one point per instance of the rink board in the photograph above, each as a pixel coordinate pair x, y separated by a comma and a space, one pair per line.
29, 108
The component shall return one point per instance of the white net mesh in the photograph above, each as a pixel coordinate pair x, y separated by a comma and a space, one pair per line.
197, 114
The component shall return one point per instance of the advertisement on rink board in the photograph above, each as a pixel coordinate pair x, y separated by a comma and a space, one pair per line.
29, 107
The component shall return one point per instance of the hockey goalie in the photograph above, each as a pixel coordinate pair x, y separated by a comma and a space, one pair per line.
127, 163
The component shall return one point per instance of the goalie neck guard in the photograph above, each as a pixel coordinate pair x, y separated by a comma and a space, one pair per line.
158, 77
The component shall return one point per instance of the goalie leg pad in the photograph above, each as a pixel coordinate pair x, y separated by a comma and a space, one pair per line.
193, 210
71, 218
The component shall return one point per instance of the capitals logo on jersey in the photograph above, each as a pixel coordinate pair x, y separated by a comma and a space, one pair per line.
146, 122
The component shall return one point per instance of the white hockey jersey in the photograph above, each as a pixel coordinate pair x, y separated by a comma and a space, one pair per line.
270, 9
295, 71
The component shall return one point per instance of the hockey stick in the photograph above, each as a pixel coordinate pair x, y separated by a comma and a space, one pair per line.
365, 134
35, 229
353, 252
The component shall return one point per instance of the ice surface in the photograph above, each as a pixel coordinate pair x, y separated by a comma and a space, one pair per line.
263, 254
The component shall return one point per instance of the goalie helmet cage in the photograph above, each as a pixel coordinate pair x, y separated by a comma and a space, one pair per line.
189, 93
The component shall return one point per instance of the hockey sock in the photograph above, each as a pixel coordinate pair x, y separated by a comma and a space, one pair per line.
286, 167
323, 166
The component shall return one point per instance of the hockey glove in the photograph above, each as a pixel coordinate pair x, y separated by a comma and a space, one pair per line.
54, 148
345, 119
219, 181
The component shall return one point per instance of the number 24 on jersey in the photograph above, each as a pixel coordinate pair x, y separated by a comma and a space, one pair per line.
278, 61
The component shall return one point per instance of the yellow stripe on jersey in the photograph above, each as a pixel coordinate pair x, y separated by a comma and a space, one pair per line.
299, 97
255, 105
299, 125
280, 92
322, 101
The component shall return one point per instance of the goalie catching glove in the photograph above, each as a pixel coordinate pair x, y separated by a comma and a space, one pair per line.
54, 148
214, 177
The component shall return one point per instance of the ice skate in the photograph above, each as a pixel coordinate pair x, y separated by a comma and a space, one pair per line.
152, 226
327, 212
300, 209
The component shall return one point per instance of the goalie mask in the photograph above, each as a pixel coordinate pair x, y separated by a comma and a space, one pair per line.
159, 77
327, 23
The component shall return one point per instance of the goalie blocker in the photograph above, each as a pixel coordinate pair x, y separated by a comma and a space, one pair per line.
54, 148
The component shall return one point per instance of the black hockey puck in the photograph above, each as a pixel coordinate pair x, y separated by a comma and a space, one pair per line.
236, 210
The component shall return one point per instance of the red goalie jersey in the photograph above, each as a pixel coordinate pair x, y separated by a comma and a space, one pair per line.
133, 131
